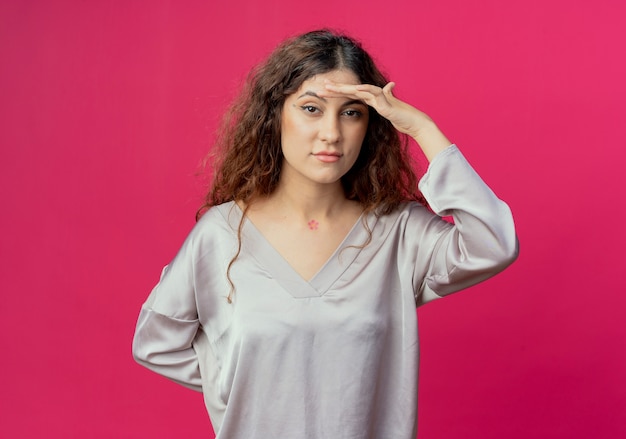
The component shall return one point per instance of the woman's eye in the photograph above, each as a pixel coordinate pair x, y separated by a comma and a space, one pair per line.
352, 113
309, 109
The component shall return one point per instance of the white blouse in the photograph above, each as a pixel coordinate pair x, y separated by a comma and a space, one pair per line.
336, 356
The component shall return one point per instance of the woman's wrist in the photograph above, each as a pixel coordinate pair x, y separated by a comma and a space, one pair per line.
430, 139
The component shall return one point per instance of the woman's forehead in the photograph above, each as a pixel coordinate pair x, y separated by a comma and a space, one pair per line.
316, 82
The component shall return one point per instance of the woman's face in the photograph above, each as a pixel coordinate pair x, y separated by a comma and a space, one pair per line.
321, 137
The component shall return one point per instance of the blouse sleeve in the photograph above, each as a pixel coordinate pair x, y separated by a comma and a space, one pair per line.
168, 324
481, 242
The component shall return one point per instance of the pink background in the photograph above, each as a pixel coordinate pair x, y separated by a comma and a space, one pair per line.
106, 109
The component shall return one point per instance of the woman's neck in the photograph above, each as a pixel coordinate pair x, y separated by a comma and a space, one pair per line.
309, 201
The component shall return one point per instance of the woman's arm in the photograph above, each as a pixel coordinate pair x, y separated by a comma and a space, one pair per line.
482, 240
168, 324
479, 244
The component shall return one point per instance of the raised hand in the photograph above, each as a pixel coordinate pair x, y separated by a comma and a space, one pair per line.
404, 117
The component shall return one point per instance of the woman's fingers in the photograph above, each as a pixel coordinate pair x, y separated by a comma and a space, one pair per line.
387, 89
406, 118
374, 96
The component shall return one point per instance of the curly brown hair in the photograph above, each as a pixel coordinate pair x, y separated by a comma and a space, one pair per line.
247, 155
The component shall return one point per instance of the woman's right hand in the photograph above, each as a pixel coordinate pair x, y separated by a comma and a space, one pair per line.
405, 118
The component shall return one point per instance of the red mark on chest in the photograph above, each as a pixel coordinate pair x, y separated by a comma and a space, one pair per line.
313, 224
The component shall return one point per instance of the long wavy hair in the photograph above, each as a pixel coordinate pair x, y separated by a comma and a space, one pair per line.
247, 155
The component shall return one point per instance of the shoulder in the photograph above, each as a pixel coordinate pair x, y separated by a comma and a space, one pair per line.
410, 215
220, 215
216, 224
405, 212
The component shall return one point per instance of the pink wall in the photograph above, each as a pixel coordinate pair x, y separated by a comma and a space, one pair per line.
105, 111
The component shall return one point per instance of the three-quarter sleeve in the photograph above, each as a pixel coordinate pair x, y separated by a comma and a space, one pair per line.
480, 243
168, 324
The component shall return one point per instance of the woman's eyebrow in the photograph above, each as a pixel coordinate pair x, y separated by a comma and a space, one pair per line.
311, 93
354, 102
315, 95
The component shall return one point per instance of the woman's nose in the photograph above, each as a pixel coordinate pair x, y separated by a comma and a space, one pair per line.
330, 130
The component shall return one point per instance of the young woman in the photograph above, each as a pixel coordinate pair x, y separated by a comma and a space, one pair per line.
291, 305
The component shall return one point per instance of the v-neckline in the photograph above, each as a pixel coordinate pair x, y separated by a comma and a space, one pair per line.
280, 269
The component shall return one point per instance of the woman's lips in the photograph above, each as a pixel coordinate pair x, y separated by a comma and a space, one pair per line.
327, 157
